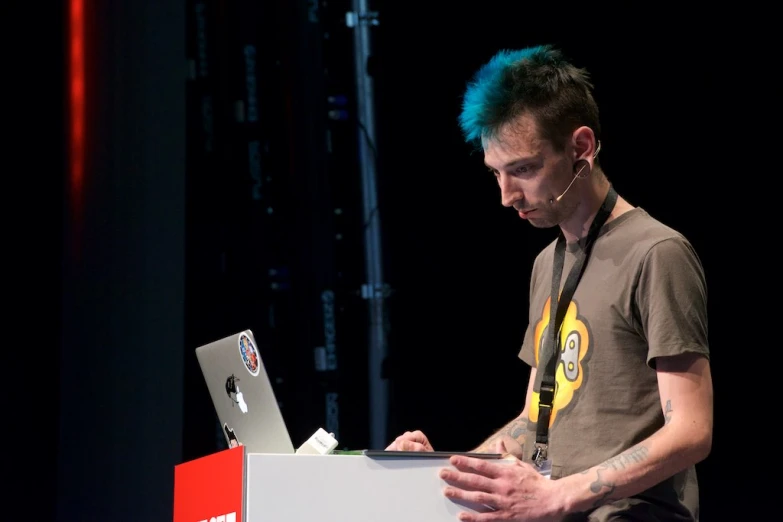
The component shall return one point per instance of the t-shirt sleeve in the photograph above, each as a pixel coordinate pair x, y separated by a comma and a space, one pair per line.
671, 299
527, 352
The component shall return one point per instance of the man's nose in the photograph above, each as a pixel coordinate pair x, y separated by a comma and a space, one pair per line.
508, 192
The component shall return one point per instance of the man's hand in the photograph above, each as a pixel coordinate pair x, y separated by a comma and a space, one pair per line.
410, 441
508, 446
513, 490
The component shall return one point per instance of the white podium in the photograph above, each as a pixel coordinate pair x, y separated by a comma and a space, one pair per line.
235, 486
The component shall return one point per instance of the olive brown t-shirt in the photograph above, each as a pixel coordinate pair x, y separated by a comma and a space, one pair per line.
642, 296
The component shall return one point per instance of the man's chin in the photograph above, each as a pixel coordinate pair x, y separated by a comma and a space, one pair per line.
541, 223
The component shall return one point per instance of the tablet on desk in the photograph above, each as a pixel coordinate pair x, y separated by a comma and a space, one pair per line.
429, 454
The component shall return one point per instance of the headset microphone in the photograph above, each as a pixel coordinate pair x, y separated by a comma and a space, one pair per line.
577, 175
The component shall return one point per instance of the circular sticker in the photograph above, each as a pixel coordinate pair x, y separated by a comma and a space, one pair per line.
249, 354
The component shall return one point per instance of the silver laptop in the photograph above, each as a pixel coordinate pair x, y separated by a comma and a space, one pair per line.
242, 394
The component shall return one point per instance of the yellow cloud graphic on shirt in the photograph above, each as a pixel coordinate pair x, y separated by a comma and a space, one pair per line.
574, 349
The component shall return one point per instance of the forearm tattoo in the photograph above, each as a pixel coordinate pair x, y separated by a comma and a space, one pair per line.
601, 487
667, 412
516, 429
604, 487
623, 460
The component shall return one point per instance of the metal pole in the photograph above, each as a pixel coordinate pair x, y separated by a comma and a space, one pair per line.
374, 291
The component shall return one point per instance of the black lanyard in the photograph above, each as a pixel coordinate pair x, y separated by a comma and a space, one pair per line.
552, 341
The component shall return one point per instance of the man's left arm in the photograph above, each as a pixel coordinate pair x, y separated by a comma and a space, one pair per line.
685, 385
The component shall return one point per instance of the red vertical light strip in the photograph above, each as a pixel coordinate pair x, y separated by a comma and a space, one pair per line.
77, 117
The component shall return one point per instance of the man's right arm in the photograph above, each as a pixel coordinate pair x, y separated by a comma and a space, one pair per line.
513, 433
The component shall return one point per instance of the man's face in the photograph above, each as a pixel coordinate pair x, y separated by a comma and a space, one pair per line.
530, 174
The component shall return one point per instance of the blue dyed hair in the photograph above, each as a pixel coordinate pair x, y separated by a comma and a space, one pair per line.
534, 80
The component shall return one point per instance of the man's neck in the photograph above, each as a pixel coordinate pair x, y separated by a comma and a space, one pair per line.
577, 226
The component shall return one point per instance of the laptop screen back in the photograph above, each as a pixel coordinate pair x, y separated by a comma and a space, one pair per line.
242, 394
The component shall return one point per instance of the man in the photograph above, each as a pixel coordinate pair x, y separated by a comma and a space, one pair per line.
628, 396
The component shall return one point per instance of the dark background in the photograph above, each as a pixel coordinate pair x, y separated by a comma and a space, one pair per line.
166, 248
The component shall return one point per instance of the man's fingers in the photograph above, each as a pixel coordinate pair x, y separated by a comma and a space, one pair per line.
467, 481
401, 444
416, 436
419, 436
512, 447
410, 441
500, 447
482, 467
409, 445
477, 497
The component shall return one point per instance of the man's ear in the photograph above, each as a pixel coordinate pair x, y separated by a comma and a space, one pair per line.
585, 145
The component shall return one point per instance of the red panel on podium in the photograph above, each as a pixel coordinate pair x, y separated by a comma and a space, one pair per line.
210, 489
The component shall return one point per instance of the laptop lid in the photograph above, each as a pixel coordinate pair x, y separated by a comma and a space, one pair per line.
242, 394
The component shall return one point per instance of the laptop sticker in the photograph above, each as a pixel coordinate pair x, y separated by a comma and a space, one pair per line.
232, 390
232, 437
249, 354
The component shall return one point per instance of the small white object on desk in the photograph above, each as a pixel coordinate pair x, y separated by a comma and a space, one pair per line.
320, 443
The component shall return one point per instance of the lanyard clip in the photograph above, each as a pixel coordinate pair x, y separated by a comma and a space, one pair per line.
539, 454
